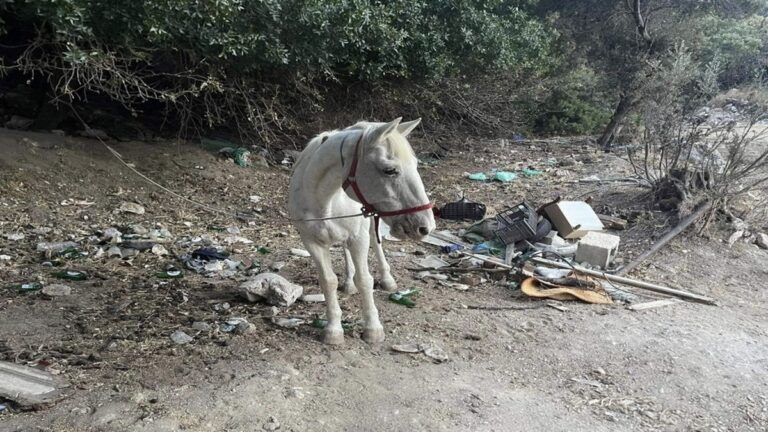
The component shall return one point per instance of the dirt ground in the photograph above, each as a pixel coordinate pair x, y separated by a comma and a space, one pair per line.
686, 367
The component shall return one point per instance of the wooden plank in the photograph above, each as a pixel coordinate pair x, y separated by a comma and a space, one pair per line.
612, 222
653, 304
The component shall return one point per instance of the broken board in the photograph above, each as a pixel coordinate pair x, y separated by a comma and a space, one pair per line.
653, 304
27, 386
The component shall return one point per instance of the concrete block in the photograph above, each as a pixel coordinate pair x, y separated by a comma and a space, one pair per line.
597, 248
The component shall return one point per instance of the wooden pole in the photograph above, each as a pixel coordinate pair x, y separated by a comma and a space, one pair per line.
631, 282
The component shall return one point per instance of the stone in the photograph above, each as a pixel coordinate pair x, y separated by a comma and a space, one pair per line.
159, 250
300, 253
272, 424
114, 251
273, 288
181, 338
15, 236
761, 240
28, 387
201, 326
598, 249
57, 290
129, 207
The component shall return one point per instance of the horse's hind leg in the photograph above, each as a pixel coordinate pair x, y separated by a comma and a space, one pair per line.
334, 334
373, 332
385, 273
349, 283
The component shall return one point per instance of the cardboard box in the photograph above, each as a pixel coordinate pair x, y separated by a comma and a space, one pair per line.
573, 219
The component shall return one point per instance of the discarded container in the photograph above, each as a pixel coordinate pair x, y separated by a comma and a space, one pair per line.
30, 286
72, 275
462, 209
170, 274
516, 224
573, 219
478, 177
504, 176
403, 297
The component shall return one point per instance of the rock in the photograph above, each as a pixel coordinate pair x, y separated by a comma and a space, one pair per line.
15, 236
114, 251
57, 290
128, 253
735, 237
300, 253
201, 326
112, 235
181, 338
28, 387
5, 257
259, 161
255, 199
278, 265
237, 325
762, 240
55, 247
435, 353
411, 348
138, 229
129, 207
19, 122
275, 289
272, 424
159, 250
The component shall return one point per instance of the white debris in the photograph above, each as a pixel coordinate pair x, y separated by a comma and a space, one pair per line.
273, 288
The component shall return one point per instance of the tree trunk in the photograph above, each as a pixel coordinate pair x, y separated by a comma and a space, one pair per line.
622, 109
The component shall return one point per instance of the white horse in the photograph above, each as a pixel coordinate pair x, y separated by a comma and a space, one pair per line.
368, 165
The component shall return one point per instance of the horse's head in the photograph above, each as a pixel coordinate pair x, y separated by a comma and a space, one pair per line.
388, 177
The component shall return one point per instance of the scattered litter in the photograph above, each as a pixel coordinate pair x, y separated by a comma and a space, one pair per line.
69, 202
273, 288
573, 219
477, 177
230, 240
300, 253
129, 207
461, 210
26, 386
159, 250
516, 224
653, 304
181, 338
277, 266
57, 290
171, 273
255, 199
72, 275
428, 275
432, 351
312, 298
504, 176
5, 257
287, 322
55, 247
209, 254
237, 325
558, 307
431, 262
592, 292
451, 248
529, 172
403, 297
25, 287
15, 236
139, 245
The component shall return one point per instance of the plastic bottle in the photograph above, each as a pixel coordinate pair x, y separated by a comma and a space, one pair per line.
73, 275
29, 286
404, 297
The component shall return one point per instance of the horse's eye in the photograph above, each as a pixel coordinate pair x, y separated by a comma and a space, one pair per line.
391, 171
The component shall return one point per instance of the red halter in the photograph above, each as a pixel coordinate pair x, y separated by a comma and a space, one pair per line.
368, 208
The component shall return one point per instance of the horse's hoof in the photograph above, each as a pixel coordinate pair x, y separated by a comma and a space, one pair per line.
373, 335
388, 284
349, 288
333, 337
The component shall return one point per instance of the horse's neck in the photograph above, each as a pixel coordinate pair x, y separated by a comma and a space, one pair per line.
324, 173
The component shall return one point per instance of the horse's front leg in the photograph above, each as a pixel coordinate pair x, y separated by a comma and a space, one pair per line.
373, 332
385, 273
334, 334
349, 287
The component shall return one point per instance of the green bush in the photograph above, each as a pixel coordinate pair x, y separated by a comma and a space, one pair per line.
574, 104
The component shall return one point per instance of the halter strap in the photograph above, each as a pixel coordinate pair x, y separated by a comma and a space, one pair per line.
368, 208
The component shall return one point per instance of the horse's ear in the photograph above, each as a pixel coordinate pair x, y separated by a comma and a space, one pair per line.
408, 127
384, 130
